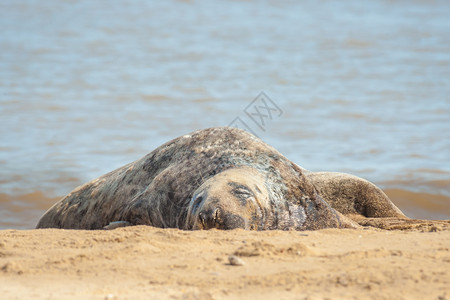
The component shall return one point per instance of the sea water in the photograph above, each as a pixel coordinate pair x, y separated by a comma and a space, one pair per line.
352, 86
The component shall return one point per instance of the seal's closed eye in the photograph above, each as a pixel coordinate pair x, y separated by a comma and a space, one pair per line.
241, 191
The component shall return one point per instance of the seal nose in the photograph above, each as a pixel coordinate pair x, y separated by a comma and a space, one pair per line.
210, 218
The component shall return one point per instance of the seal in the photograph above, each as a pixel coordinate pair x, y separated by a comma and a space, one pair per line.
221, 178
353, 196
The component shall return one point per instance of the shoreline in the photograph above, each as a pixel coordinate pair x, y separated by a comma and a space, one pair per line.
23, 211
140, 262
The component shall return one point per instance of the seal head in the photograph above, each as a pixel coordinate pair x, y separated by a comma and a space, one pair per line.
235, 198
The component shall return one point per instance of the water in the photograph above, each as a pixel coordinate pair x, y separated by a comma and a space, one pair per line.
87, 86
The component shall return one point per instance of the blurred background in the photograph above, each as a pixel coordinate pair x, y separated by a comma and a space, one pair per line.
88, 86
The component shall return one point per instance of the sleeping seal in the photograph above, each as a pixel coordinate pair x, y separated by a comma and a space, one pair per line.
221, 178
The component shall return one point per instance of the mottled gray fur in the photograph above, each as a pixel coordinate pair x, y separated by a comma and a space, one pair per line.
159, 188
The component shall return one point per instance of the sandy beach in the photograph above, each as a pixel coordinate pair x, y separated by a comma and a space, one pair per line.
151, 263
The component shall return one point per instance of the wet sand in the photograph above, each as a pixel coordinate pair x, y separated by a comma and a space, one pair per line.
151, 263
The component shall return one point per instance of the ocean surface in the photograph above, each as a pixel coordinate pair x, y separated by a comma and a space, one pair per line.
353, 86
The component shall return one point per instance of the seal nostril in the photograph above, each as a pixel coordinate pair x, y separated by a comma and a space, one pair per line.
216, 215
210, 218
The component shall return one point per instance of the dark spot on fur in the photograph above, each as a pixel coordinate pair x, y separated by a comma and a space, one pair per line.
197, 202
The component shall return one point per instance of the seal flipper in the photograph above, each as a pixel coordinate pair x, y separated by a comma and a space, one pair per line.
352, 195
117, 224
